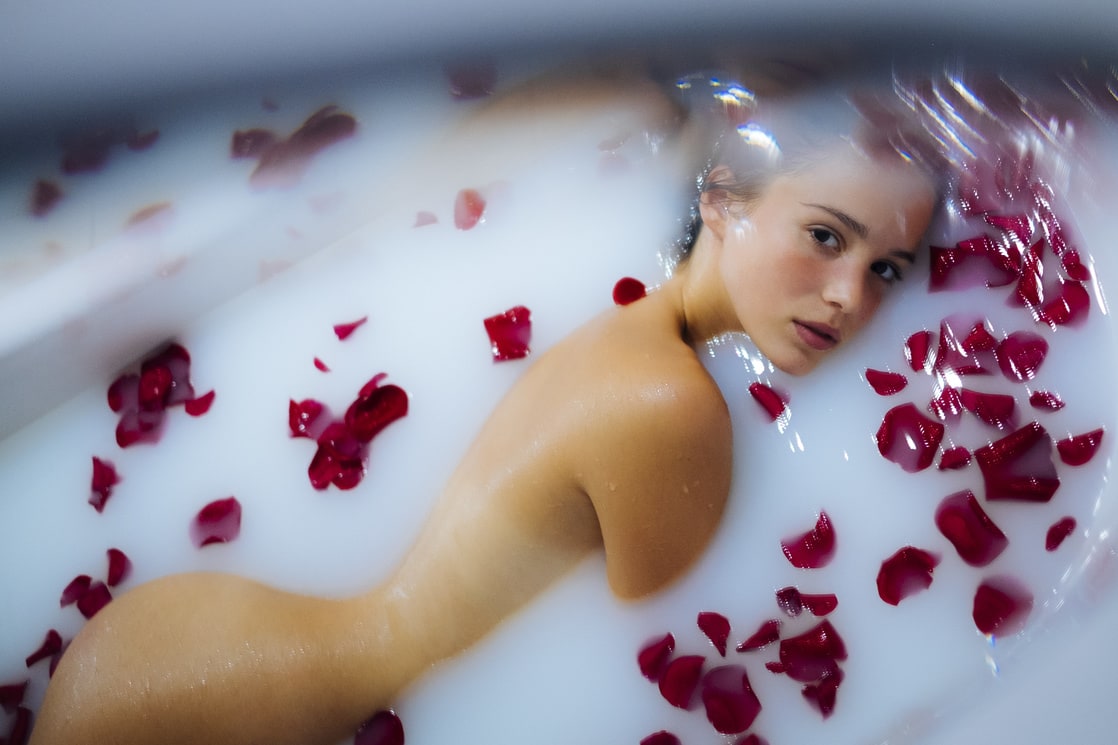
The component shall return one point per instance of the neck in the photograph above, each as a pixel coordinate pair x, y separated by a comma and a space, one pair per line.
699, 294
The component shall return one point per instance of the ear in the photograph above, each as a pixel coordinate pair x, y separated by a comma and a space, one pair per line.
714, 203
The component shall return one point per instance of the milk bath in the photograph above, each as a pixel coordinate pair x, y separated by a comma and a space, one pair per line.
559, 229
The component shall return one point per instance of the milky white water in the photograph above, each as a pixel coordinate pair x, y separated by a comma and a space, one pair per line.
559, 230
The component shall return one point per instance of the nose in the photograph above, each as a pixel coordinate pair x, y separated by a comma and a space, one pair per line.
844, 287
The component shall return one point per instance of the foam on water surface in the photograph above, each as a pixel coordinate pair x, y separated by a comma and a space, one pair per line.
557, 232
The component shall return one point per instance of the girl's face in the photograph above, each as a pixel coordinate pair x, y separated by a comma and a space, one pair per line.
807, 263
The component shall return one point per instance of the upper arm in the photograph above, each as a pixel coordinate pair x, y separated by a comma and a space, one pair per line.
661, 487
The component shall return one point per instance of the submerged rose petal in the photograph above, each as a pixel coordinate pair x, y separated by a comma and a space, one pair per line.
120, 567
94, 599
663, 737
954, 459
102, 483
908, 438
813, 549
1021, 354
752, 739
344, 330
995, 409
628, 290
1058, 532
1046, 400
1019, 466
11, 695
771, 401
655, 655
822, 695
971, 531
948, 405
383, 728
819, 604
1077, 450
217, 522
44, 196
510, 333
680, 679
305, 418
74, 591
1001, 606
885, 383
808, 657
469, 208
916, 350
251, 143
716, 627
20, 731
963, 355
1069, 307
905, 573
729, 700
788, 598
51, 645
766, 634
375, 410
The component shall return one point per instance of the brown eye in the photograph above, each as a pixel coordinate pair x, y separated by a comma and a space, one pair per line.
887, 270
825, 237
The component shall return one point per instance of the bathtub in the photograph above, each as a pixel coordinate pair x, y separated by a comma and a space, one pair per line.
138, 252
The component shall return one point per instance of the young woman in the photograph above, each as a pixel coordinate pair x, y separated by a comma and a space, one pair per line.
615, 440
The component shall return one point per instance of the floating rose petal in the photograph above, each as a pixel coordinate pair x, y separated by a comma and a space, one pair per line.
20, 731
383, 728
788, 598
954, 459
51, 645
1045, 400
1018, 226
283, 163
469, 208
1021, 354
11, 695
971, 531
885, 383
102, 483
663, 737
819, 604
87, 151
979, 339
679, 680
1074, 267
908, 438
251, 143
822, 695
510, 333
344, 330
1030, 287
729, 700
771, 401
948, 405
813, 654
766, 634
94, 599
320, 365
628, 290
217, 522
74, 591
792, 602
905, 573
1059, 531
813, 549
775, 667
423, 217
339, 460
1019, 466
995, 409
716, 627
44, 196
977, 262
199, 406
304, 418
916, 349
1077, 450
375, 409
120, 567
1001, 606
752, 739
173, 359
1069, 307
655, 655
963, 355
475, 79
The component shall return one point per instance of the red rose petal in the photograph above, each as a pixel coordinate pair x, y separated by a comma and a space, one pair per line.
344, 330
176, 360
752, 739
995, 409
771, 401
789, 600
1030, 287
74, 591
510, 333
94, 599
102, 483
120, 567
954, 459
810, 656
628, 290
1019, 466
885, 383
469, 207
971, 531
905, 573
655, 655
51, 645
12, 695
1001, 606
908, 438
729, 700
44, 196
304, 418
475, 79
1058, 532
320, 365
822, 695
819, 604
1045, 400
680, 679
948, 405
340, 458
963, 355
1077, 450
283, 163
1021, 354
155, 387
251, 143
813, 549
663, 737
199, 406
374, 410
766, 634
717, 629
383, 728
916, 350
1068, 308
217, 522
775, 667
980, 339
1019, 226
20, 731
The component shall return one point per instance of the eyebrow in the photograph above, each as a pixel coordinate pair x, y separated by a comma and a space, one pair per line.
860, 228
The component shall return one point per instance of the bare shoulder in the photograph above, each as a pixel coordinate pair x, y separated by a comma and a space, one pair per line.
657, 461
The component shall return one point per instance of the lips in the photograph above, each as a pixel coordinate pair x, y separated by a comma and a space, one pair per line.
818, 336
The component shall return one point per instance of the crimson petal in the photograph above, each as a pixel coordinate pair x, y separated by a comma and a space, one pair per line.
1058, 532
716, 627
766, 634
510, 333
1077, 450
1001, 606
905, 573
1019, 466
729, 700
885, 383
680, 679
383, 728
771, 401
217, 522
813, 549
908, 438
971, 531
655, 655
